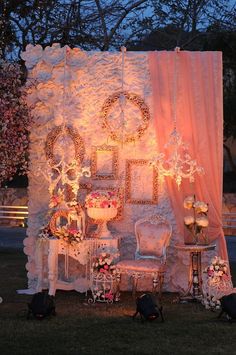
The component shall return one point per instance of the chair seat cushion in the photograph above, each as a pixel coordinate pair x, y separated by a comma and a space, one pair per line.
143, 265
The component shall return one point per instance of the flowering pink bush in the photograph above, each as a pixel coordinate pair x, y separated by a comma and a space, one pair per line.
15, 122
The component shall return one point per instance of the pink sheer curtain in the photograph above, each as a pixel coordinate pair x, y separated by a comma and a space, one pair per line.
199, 116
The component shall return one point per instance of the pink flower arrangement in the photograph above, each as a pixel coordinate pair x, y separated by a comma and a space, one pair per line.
103, 263
218, 269
217, 283
102, 199
103, 295
69, 235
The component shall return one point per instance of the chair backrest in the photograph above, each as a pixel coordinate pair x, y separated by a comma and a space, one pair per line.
153, 237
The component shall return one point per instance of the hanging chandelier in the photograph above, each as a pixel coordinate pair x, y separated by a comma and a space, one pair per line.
179, 165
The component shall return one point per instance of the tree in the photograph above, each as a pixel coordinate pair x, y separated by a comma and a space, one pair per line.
90, 24
15, 122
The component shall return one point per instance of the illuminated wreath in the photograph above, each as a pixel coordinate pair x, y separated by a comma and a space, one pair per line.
55, 134
54, 219
137, 101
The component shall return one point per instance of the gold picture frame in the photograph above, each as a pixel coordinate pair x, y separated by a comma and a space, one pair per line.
138, 102
150, 178
71, 132
104, 162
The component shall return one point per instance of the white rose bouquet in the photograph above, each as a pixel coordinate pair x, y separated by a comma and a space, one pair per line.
197, 221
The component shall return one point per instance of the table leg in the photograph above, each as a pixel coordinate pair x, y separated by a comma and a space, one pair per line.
194, 290
197, 275
52, 266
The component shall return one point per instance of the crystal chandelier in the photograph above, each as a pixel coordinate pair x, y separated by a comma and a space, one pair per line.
179, 165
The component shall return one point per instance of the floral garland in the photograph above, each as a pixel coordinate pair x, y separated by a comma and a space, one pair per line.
102, 199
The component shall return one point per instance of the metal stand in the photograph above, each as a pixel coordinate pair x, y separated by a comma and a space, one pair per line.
194, 291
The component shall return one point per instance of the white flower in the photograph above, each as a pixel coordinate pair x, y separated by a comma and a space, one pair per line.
76, 57
47, 91
188, 202
202, 221
32, 55
200, 207
54, 54
42, 113
42, 71
188, 220
214, 261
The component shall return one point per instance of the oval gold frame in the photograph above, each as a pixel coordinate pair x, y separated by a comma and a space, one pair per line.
137, 101
55, 216
73, 134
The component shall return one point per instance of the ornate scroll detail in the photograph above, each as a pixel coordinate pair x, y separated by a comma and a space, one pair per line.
55, 133
104, 175
144, 164
115, 134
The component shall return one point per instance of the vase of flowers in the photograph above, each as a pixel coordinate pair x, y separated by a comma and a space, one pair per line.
102, 207
197, 221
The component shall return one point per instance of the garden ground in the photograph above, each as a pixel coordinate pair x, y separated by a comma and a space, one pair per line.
79, 328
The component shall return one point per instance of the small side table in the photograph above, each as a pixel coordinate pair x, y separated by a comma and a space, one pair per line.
194, 291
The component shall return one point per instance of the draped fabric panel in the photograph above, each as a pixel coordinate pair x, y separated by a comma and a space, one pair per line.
190, 85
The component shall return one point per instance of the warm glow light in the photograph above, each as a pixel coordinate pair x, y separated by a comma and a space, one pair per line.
179, 165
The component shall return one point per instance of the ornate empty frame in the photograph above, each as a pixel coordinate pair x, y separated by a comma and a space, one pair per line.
150, 179
104, 162
137, 101
55, 133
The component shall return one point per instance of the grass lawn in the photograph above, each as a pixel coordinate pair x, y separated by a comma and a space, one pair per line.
79, 328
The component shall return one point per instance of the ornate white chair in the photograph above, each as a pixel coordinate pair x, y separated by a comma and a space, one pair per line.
153, 237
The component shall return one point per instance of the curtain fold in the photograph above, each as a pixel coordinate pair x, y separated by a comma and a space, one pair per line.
199, 119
